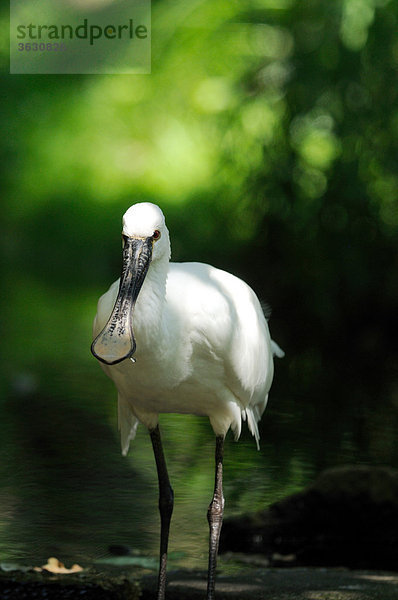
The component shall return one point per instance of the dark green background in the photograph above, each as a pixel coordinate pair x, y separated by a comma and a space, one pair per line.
267, 133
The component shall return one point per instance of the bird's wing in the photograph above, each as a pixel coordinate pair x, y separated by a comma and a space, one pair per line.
248, 356
225, 315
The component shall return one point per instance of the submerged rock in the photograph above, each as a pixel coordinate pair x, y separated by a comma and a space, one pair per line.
348, 517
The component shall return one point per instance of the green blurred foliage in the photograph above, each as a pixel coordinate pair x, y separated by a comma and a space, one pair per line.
267, 133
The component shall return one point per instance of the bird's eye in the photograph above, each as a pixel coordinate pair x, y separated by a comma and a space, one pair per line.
156, 235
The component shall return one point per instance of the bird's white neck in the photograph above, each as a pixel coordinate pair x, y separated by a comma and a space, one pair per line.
148, 311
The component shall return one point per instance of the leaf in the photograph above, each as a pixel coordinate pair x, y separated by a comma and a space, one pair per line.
55, 566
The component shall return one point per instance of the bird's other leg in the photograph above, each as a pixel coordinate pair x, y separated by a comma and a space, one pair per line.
214, 516
166, 500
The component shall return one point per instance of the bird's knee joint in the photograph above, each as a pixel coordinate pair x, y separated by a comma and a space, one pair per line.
216, 509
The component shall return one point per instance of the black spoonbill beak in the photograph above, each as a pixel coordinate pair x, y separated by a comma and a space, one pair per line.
116, 341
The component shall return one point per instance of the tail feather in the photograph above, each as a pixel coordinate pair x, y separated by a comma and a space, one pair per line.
127, 423
252, 419
277, 350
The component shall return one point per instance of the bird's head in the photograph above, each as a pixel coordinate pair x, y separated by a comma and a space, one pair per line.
145, 221
145, 240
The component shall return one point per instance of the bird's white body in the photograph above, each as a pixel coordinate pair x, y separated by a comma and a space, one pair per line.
202, 343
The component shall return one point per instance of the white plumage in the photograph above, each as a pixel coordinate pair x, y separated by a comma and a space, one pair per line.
183, 338
203, 345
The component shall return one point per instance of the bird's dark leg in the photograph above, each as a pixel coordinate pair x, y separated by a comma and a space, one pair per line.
214, 516
166, 499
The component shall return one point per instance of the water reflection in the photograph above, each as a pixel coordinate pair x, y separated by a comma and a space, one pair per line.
65, 489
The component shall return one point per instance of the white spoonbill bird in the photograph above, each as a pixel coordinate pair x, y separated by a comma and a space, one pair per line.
181, 338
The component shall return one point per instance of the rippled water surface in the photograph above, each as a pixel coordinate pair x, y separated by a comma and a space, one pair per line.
66, 491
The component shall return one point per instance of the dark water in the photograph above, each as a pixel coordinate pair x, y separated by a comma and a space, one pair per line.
65, 490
